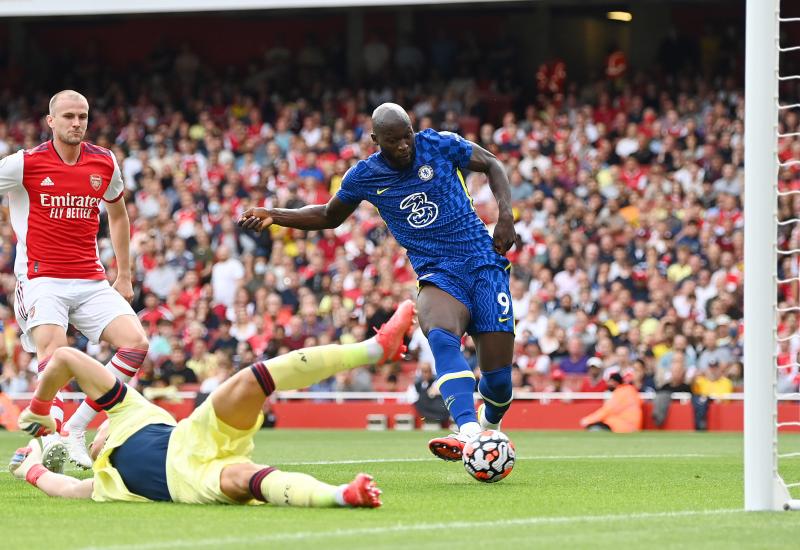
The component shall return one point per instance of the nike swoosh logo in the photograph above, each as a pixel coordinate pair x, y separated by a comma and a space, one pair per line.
382, 191
503, 319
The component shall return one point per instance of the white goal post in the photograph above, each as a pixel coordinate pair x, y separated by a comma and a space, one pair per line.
764, 489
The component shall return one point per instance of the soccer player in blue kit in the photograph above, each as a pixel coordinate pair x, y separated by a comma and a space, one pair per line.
415, 182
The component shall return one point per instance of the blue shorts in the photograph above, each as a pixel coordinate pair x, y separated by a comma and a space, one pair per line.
483, 289
142, 462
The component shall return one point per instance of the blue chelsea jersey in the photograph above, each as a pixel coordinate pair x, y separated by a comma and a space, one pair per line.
426, 206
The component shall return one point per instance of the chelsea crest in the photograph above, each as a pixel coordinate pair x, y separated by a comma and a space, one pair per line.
425, 172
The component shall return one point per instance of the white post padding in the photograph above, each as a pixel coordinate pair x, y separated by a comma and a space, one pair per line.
763, 489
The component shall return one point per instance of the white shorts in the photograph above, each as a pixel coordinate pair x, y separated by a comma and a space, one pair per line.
88, 305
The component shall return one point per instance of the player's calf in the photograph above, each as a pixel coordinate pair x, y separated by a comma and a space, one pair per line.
455, 380
497, 392
294, 489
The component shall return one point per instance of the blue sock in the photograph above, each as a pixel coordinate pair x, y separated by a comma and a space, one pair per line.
495, 388
453, 376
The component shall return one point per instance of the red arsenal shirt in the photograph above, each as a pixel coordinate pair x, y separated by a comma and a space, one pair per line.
55, 209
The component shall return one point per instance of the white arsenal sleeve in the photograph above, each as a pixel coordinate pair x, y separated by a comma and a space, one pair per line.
11, 172
116, 186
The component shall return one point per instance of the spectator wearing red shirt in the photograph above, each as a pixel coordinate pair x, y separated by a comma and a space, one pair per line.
153, 312
594, 381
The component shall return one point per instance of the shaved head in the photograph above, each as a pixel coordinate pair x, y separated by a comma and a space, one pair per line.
68, 118
392, 132
389, 114
65, 94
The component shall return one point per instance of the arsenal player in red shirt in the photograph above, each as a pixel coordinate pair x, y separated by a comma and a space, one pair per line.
55, 191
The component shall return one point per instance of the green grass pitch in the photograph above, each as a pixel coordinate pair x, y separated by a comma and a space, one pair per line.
569, 490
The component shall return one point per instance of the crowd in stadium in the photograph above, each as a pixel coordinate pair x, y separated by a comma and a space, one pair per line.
627, 193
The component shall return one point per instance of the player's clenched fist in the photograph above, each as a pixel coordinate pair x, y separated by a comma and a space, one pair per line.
256, 219
505, 235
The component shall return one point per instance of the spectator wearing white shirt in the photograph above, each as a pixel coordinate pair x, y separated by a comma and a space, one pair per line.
162, 278
519, 298
690, 176
705, 290
685, 302
630, 143
420, 347
311, 132
524, 227
532, 160
535, 321
226, 275
568, 281
730, 182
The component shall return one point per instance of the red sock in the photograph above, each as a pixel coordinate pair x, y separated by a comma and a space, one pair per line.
126, 363
40, 407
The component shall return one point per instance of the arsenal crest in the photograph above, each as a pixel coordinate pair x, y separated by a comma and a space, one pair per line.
95, 181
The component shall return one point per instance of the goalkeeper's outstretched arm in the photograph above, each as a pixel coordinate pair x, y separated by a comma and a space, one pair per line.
62, 486
50, 483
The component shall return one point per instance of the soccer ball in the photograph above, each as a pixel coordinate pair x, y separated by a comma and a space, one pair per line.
489, 456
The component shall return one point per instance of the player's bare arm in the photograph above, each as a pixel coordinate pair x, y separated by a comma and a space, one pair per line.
483, 161
119, 228
53, 484
64, 486
309, 218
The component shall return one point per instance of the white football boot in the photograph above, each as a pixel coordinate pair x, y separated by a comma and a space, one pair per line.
51, 453
75, 442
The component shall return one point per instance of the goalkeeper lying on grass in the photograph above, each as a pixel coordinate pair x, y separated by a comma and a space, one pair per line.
141, 454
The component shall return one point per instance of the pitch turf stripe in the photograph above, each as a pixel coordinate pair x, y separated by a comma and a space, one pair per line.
432, 459
542, 457
405, 528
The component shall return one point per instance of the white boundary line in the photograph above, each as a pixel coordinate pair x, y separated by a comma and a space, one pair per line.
405, 527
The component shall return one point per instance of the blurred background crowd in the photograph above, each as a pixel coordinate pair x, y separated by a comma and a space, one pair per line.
627, 189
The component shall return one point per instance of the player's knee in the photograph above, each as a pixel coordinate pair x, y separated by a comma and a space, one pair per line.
136, 339
126, 332
235, 481
445, 318
140, 342
243, 384
449, 325
59, 355
63, 355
